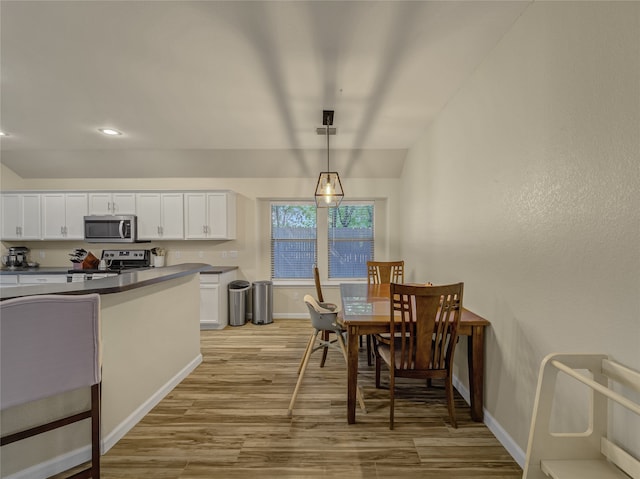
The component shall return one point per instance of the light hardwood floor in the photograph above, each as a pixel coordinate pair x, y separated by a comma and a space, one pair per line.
228, 419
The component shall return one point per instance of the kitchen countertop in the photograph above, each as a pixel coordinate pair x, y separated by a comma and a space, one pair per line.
63, 270
115, 284
219, 269
39, 270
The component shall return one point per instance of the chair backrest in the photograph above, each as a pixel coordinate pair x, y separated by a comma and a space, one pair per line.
385, 272
322, 319
49, 344
427, 319
316, 278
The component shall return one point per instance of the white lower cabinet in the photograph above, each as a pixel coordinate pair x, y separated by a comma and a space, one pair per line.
214, 300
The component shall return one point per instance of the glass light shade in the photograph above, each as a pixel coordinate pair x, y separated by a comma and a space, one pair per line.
329, 191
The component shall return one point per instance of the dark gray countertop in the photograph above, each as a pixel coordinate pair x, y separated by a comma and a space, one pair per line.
63, 270
219, 269
114, 284
39, 270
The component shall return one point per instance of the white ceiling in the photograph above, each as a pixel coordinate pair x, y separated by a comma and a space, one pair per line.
234, 88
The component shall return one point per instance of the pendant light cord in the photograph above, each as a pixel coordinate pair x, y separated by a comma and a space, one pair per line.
328, 144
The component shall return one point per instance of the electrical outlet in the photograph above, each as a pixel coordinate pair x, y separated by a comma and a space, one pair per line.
42, 254
233, 254
200, 254
178, 254
223, 254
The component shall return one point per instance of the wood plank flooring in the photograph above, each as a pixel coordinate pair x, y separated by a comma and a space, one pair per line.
228, 419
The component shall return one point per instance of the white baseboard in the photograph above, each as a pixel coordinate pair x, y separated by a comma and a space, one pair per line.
78, 456
494, 426
136, 416
290, 315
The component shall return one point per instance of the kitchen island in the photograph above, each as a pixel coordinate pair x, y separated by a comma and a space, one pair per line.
150, 342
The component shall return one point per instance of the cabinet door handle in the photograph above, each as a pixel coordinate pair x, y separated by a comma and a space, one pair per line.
62, 230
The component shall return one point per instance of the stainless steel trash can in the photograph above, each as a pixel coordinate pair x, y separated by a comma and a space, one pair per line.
238, 291
262, 302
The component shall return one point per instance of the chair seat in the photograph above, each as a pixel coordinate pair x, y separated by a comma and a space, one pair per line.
385, 354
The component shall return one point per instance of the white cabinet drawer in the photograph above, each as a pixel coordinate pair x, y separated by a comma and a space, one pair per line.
209, 278
42, 278
9, 279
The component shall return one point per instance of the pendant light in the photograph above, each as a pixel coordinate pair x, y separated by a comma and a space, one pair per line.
329, 191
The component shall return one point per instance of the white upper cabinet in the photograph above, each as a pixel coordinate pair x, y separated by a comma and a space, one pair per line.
63, 215
210, 215
58, 215
160, 216
20, 216
112, 203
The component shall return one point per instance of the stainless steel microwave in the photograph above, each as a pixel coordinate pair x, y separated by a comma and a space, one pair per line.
111, 229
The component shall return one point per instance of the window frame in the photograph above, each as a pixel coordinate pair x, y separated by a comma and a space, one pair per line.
322, 242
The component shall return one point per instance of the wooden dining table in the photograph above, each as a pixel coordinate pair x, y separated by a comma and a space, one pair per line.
366, 310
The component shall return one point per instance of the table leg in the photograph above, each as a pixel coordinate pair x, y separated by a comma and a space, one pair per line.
352, 372
475, 361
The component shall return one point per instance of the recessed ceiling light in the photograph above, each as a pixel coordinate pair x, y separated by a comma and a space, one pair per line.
2, 133
109, 131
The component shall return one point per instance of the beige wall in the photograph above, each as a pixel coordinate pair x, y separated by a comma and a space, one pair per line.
527, 186
252, 243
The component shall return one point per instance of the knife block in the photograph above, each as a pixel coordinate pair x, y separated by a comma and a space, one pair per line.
90, 262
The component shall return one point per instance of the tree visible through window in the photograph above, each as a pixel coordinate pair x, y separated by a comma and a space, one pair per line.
293, 240
350, 240
294, 246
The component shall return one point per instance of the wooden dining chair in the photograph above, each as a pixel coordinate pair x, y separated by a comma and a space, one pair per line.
385, 272
426, 318
382, 272
64, 355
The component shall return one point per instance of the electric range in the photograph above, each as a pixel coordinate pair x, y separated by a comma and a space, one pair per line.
116, 261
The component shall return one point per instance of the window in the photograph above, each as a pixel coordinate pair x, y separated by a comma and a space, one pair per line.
293, 240
295, 230
350, 240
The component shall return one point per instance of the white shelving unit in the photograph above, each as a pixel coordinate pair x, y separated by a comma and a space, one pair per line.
588, 454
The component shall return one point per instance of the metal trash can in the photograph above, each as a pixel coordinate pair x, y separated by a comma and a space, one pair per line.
238, 291
262, 302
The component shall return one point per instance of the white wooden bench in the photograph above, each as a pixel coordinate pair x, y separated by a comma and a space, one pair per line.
589, 454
